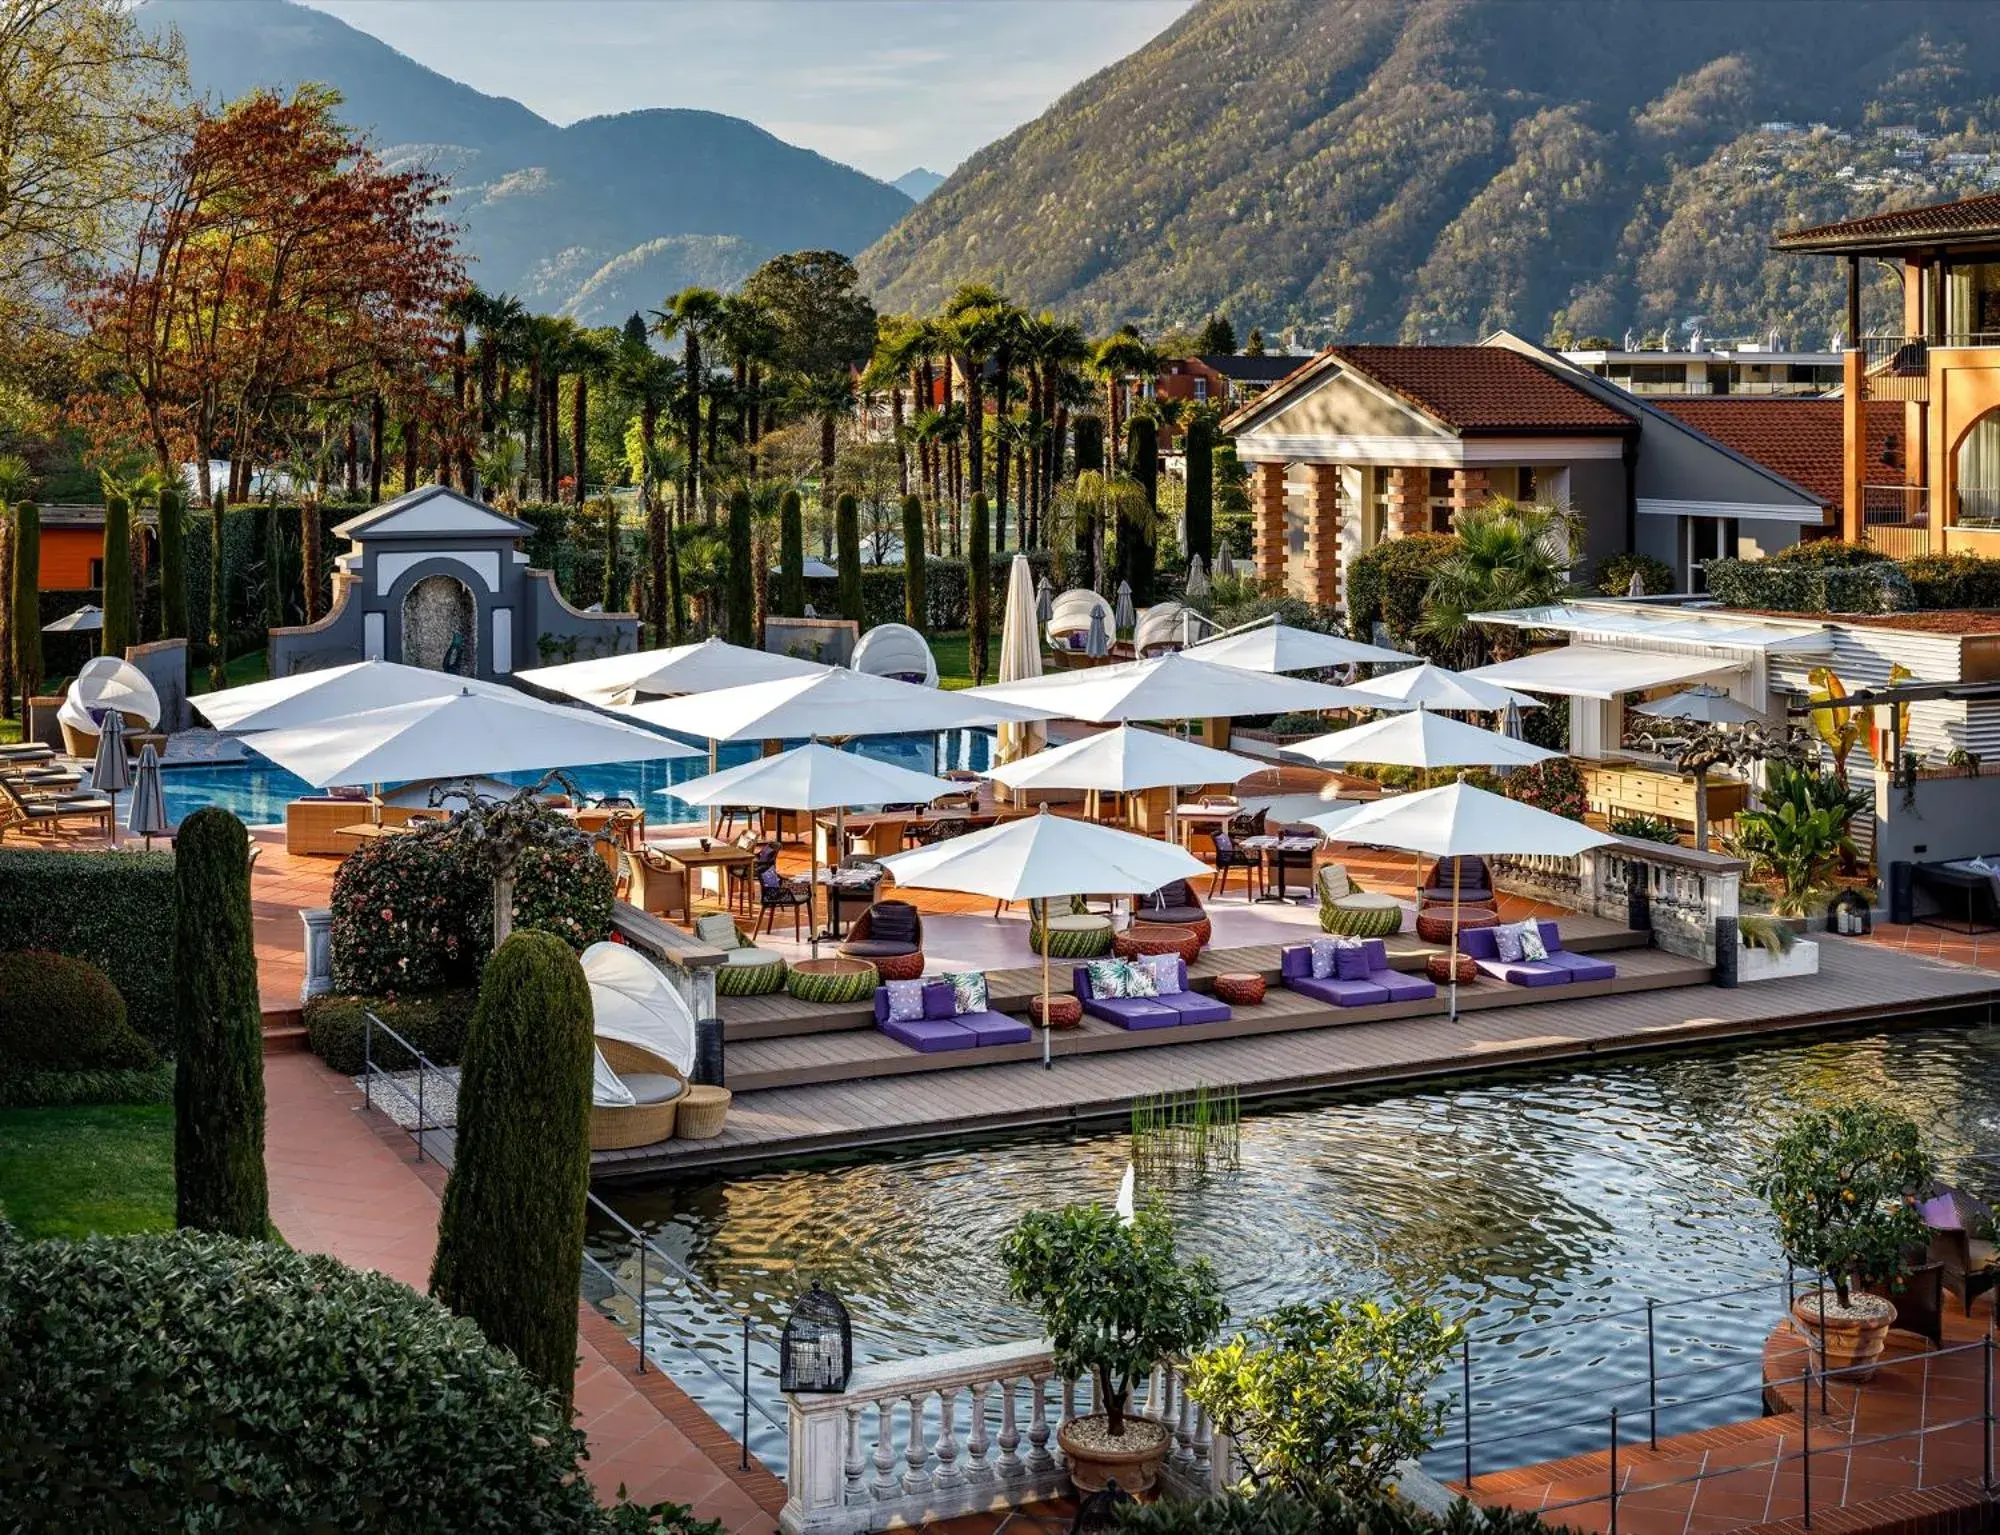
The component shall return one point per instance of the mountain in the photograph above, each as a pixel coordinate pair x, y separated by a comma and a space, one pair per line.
1434, 169
595, 219
918, 184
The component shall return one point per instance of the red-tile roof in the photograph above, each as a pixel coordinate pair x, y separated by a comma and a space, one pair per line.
1483, 389
1968, 216
1799, 439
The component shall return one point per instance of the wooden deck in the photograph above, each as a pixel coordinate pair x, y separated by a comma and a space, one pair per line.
1299, 1052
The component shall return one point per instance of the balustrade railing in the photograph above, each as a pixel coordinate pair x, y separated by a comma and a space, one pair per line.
1687, 899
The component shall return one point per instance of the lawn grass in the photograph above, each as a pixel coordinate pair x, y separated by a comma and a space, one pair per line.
953, 651
249, 667
106, 1169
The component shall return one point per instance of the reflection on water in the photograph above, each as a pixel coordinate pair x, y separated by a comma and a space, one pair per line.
1529, 1204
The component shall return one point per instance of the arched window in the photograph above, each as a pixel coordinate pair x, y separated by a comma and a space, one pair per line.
1979, 471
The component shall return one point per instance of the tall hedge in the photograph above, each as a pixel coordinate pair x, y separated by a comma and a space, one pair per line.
947, 590
1089, 434
115, 910
219, 1043
218, 602
510, 1241
847, 556
1389, 582
979, 583
1136, 538
1200, 446
173, 563
117, 632
916, 611
740, 603
27, 635
791, 593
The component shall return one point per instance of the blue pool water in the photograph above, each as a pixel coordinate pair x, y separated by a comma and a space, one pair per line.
256, 790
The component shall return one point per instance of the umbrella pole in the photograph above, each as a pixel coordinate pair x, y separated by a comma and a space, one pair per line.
1048, 1029
1454, 940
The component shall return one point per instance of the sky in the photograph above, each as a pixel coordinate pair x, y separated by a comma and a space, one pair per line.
882, 85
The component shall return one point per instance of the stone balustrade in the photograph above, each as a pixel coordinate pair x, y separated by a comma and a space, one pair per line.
915, 1440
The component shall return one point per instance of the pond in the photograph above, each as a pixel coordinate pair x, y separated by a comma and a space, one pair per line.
1528, 1204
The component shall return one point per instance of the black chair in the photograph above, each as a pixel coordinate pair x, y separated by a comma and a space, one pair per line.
843, 899
942, 831
775, 893
1229, 856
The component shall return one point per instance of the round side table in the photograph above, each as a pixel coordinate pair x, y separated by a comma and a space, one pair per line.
1434, 922
1083, 935
1240, 989
1439, 967
1065, 1012
1143, 938
836, 981
899, 967
703, 1110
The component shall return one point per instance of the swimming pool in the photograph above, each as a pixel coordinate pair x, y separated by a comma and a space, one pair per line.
256, 789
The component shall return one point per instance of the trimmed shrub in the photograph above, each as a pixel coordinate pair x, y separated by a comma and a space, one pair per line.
65, 1089
118, 631
434, 1022
63, 1014
219, 1046
1805, 586
173, 563
1088, 434
1200, 516
1279, 1513
979, 582
1953, 580
1137, 551
916, 610
1829, 554
847, 556
26, 638
183, 1380
1615, 572
510, 1240
1555, 785
115, 910
739, 605
790, 592
947, 592
1388, 585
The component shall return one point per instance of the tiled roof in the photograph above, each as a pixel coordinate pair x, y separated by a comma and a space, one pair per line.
1799, 439
1483, 389
1967, 216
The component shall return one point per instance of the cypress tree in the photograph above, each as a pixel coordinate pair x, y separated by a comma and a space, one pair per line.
219, 1041
1201, 489
791, 555
676, 601
1089, 432
274, 590
847, 535
1137, 561
27, 636
117, 574
173, 563
742, 590
612, 602
979, 585
916, 608
218, 603
510, 1240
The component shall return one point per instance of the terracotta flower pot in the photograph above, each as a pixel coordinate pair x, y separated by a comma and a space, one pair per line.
1096, 1458
1852, 1337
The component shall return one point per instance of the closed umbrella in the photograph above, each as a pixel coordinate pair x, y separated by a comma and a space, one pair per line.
1041, 858
1636, 587
1124, 617
1096, 643
1020, 658
146, 816
1197, 578
111, 770
1225, 565
1045, 599
1510, 722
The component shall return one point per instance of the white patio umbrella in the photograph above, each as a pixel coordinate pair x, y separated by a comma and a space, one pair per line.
458, 733
1041, 857
631, 1001
698, 668
84, 619
1274, 647
1197, 578
1126, 760
1169, 687
111, 769
1703, 705
1433, 687
146, 816
1020, 658
1459, 821
831, 702
306, 698
1123, 615
1421, 739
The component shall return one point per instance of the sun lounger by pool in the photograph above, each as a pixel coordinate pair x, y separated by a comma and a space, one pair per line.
1366, 981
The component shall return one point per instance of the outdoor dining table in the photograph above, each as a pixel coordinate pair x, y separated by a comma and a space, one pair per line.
728, 860
1203, 818
1279, 853
837, 880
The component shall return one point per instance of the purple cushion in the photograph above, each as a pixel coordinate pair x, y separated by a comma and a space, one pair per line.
990, 1028
1350, 963
1195, 1007
939, 1000
1583, 967
1133, 1013
1403, 988
1552, 938
1377, 952
1482, 943
1339, 993
931, 1035
1294, 963
1528, 973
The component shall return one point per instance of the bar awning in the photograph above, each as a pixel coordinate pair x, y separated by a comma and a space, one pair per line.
1720, 627
1602, 671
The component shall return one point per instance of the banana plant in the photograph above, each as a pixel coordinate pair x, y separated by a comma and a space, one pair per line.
1835, 722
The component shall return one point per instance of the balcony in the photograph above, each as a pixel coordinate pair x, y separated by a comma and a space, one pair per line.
1898, 367
1896, 519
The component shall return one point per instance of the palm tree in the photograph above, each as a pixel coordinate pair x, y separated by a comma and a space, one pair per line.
749, 342
1086, 508
591, 354
693, 315
1509, 555
897, 343
1059, 351
973, 321
1118, 357
543, 346
500, 319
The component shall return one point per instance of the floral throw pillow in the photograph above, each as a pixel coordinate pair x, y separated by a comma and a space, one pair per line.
1165, 969
1325, 958
968, 990
1107, 978
1507, 942
1137, 980
906, 1001
1532, 947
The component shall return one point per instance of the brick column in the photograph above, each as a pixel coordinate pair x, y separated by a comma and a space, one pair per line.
1409, 502
1267, 494
1854, 444
1468, 488
1323, 533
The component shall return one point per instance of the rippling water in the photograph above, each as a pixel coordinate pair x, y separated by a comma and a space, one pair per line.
1528, 1204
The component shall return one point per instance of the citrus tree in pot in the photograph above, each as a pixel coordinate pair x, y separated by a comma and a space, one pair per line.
1115, 1298
1843, 1184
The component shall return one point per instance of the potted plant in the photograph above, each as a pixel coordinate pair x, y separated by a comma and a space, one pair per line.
1843, 1184
1115, 1299
1772, 950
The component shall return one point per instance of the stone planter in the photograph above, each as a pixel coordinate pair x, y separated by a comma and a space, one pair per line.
1095, 1458
1757, 963
1852, 1337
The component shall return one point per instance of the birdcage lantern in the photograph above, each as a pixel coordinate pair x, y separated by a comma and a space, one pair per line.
816, 1352
1849, 913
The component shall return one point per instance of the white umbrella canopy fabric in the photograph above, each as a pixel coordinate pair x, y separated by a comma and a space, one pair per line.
1039, 857
460, 733
306, 698
1702, 705
1430, 686
813, 777
1172, 686
1127, 760
702, 667
1020, 656
1421, 739
86, 619
106, 682
1284, 648
631, 1001
146, 816
833, 701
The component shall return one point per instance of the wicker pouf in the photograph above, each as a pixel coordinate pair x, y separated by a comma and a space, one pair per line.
750, 980
1086, 935
1064, 1012
1362, 915
1143, 938
1240, 990
1438, 968
836, 981
899, 967
703, 1109
1434, 922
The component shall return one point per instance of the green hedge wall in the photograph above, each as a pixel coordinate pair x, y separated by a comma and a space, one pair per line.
1800, 586
1954, 581
114, 909
945, 591
1389, 582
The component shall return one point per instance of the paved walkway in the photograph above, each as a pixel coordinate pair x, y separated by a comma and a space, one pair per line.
340, 1187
